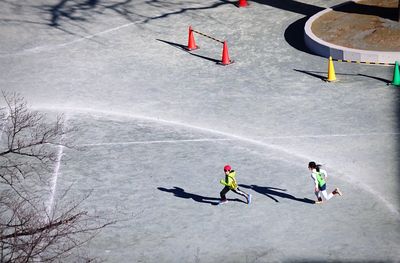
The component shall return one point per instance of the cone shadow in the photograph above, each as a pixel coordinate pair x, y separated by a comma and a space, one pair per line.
323, 77
184, 48
387, 82
176, 45
206, 58
311, 73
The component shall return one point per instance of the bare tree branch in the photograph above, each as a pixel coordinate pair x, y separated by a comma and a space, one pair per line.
28, 231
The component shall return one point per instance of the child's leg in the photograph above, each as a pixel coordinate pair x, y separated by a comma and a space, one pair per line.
223, 193
326, 195
337, 192
318, 195
240, 192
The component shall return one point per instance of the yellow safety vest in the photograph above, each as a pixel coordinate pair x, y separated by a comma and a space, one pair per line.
230, 180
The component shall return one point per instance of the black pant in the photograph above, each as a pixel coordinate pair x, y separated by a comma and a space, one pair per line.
236, 191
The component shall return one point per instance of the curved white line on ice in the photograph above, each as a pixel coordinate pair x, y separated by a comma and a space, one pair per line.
150, 142
333, 135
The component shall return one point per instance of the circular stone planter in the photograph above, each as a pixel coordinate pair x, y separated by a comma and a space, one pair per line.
327, 49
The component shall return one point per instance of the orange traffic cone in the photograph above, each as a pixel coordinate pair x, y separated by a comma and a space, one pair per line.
242, 3
191, 42
225, 55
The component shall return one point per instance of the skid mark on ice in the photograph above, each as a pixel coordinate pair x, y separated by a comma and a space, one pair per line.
304, 158
4, 122
54, 178
52, 47
55, 175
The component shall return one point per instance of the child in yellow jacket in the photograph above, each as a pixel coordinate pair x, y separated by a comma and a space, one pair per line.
230, 184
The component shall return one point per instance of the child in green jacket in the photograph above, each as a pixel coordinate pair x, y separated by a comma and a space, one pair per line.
231, 184
319, 177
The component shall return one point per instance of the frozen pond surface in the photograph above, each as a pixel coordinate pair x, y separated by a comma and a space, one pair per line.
157, 124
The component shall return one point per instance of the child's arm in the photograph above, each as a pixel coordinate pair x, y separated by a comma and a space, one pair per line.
325, 174
222, 181
314, 177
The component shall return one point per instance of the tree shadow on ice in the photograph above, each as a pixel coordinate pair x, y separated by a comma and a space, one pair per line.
183, 8
179, 192
184, 48
273, 192
82, 11
72, 16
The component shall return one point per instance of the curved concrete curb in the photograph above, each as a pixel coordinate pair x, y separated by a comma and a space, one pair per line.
327, 49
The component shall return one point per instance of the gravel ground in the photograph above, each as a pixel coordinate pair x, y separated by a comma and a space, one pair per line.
367, 25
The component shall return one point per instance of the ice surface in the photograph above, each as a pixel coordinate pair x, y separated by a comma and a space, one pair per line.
157, 124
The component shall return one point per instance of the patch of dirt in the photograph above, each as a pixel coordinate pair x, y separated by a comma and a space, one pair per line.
367, 25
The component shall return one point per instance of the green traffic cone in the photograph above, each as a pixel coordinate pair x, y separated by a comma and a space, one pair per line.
396, 75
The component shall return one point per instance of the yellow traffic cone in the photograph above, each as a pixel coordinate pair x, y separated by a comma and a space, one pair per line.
331, 71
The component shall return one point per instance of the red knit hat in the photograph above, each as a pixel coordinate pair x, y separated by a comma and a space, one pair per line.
227, 167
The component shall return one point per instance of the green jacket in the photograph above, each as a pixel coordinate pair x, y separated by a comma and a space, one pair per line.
230, 180
320, 178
